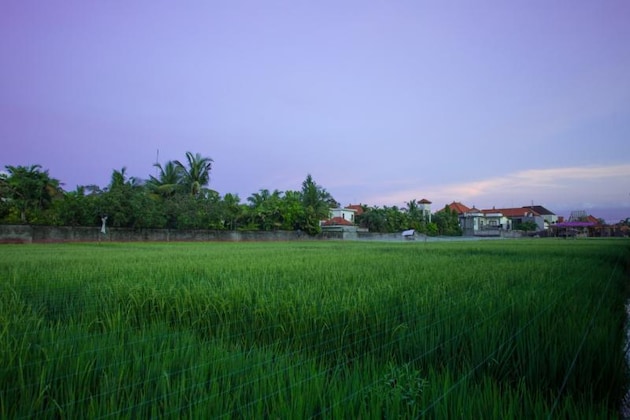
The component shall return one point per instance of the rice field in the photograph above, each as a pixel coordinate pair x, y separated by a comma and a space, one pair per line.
487, 329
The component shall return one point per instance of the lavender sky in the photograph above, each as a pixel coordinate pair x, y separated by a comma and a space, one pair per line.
491, 103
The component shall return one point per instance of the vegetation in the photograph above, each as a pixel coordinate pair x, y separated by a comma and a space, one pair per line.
447, 222
178, 197
493, 329
527, 226
30, 190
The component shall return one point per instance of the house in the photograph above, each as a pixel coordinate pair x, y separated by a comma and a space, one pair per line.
336, 221
471, 221
358, 209
341, 223
548, 216
592, 219
513, 217
457, 207
496, 222
344, 213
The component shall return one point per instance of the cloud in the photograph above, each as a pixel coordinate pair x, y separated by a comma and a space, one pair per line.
565, 187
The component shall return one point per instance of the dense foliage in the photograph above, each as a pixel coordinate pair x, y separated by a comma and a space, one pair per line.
493, 329
178, 197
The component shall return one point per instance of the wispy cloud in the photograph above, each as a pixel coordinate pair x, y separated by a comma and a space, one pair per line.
564, 186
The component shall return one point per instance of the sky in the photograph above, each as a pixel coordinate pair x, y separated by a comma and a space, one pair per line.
489, 103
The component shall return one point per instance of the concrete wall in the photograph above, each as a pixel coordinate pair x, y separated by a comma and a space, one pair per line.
16, 234
28, 234
389, 237
43, 234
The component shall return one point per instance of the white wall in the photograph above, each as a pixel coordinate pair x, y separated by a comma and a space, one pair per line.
347, 214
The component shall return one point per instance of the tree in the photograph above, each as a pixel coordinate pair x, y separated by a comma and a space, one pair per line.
76, 209
316, 201
292, 210
447, 222
196, 174
374, 219
265, 210
29, 190
117, 201
527, 226
169, 179
385, 220
231, 210
417, 218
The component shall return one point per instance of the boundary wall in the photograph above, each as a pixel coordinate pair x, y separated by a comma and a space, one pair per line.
43, 234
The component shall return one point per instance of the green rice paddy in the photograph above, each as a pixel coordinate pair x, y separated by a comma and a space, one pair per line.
486, 329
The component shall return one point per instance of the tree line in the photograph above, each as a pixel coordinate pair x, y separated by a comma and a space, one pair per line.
178, 197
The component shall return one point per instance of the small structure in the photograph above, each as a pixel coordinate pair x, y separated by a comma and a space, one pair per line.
572, 229
425, 208
409, 234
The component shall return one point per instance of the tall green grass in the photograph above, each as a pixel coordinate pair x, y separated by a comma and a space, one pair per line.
496, 329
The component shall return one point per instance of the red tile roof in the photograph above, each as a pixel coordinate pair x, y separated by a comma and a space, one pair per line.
425, 201
358, 208
592, 219
337, 221
457, 207
512, 212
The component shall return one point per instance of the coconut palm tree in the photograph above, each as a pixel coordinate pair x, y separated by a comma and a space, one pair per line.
196, 174
118, 178
265, 209
169, 179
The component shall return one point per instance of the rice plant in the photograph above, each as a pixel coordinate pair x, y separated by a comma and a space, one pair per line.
492, 329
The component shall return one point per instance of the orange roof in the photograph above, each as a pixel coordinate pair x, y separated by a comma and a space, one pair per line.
592, 219
457, 207
337, 221
358, 208
512, 212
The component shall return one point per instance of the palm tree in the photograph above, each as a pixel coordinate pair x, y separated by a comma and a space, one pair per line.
169, 179
265, 209
118, 178
196, 174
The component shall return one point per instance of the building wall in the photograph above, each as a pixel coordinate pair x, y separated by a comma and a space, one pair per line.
345, 214
426, 211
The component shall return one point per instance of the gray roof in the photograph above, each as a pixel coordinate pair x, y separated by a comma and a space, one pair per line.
540, 210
